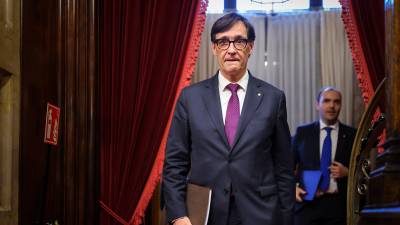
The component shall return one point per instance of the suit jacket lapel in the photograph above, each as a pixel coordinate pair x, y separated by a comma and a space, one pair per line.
315, 144
340, 142
213, 104
251, 102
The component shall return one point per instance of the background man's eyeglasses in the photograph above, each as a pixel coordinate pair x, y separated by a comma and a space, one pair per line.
224, 44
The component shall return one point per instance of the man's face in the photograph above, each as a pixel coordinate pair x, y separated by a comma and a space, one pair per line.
329, 106
233, 62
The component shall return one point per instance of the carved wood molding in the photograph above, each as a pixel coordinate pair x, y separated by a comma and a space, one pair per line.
392, 23
4, 76
380, 202
360, 161
78, 44
59, 65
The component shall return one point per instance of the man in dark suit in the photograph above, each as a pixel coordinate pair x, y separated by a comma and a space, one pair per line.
230, 133
325, 146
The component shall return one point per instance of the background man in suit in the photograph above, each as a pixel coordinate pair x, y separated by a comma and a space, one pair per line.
230, 133
324, 145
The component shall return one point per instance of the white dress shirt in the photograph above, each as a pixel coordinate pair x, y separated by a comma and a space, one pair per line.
225, 93
333, 188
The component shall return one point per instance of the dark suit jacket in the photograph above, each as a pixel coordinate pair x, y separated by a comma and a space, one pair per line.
258, 169
306, 150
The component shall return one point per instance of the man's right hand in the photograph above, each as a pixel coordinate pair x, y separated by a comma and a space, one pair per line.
299, 194
182, 221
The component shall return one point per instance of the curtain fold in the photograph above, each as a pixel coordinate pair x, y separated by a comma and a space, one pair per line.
207, 64
365, 28
370, 19
147, 53
256, 63
337, 67
364, 21
294, 62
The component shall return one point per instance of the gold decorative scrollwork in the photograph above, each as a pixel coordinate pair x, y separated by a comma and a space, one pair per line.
365, 167
362, 186
360, 163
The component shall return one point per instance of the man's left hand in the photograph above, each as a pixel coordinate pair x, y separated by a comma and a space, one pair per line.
338, 170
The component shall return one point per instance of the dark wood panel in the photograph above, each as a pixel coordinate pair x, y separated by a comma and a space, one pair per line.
58, 65
392, 22
383, 202
80, 62
39, 78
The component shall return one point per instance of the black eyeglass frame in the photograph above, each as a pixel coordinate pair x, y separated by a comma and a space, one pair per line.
218, 42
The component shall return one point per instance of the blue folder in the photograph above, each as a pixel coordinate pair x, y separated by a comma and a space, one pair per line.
310, 183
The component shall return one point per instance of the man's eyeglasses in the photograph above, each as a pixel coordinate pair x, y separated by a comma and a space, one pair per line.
224, 44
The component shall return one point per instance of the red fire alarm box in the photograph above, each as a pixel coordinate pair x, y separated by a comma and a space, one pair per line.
52, 124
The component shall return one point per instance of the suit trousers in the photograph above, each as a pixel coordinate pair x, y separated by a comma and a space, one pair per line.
329, 209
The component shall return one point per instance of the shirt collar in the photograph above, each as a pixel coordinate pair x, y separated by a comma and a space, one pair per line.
223, 82
322, 125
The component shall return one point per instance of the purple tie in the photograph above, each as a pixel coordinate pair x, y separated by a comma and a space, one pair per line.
232, 114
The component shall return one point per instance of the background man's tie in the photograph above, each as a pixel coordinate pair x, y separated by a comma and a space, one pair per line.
326, 159
232, 114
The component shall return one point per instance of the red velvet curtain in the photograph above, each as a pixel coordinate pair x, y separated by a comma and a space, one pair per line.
147, 53
364, 22
370, 18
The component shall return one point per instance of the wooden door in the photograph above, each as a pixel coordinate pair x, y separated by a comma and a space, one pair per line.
58, 65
